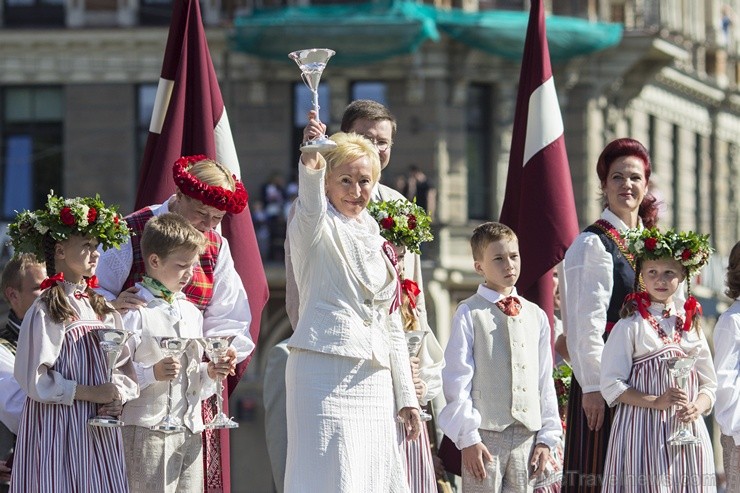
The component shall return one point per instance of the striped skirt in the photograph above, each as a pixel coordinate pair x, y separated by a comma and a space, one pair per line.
419, 465
57, 451
639, 458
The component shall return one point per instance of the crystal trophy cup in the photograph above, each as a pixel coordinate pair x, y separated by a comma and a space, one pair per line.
679, 368
216, 348
312, 63
414, 339
111, 342
171, 347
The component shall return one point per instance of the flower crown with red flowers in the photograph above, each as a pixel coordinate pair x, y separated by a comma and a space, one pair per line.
221, 198
692, 250
61, 218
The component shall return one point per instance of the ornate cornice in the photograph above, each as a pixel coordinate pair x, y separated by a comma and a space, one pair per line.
68, 56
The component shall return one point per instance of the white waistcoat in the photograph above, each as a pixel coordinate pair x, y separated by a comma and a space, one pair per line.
505, 385
151, 405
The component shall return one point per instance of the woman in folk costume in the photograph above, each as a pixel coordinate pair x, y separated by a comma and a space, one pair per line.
654, 338
60, 363
597, 274
347, 376
206, 192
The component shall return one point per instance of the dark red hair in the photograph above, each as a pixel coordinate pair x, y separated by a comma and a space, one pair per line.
615, 149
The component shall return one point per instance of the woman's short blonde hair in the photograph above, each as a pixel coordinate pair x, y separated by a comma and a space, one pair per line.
350, 147
212, 173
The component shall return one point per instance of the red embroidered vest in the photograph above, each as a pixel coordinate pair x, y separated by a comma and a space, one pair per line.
200, 288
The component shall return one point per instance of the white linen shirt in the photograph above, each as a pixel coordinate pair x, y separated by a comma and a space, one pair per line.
12, 396
228, 311
459, 419
634, 337
586, 289
727, 364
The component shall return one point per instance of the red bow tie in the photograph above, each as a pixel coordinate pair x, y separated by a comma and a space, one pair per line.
510, 305
92, 282
52, 281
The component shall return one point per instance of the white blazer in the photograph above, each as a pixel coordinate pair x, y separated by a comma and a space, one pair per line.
339, 313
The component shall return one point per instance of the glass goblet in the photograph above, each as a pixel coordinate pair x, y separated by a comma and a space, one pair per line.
216, 348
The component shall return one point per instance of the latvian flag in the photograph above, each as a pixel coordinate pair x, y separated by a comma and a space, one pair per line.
539, 204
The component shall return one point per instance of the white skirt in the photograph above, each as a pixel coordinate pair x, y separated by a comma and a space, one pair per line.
342, 434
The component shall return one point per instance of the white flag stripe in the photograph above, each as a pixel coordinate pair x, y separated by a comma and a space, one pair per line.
161, 103
225, 150
544, 122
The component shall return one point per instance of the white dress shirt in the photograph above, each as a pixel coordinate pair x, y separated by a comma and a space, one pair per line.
727, 363
586, 290
12, 397
459, 418
634, 337
228, 311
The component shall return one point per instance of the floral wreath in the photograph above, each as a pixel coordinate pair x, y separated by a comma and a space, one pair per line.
221, 198
403, 223
61, 218
692, 250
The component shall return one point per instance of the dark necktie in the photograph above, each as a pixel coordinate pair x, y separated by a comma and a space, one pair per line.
510, 306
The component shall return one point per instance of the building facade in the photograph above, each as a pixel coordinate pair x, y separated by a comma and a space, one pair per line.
78, 77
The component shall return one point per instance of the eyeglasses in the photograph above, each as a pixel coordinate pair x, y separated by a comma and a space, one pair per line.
380, 145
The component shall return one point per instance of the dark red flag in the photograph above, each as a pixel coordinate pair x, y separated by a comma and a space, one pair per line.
189, 118
539, 204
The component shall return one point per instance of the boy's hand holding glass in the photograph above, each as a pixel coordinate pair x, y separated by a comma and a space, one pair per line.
114, 409
166, 369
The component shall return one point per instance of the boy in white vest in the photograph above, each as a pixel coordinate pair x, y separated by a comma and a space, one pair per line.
501, 407
158, 460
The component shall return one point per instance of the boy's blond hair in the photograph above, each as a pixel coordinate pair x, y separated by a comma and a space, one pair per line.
486, 234
165, 234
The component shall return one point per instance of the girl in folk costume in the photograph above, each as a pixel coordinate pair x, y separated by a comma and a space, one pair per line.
60, 363
635, 374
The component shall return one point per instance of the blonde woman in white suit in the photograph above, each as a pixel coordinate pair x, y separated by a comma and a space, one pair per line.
347, 377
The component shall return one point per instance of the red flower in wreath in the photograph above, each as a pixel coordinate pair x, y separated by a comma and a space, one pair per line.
387, 223
67, 217
412, 221
686, 254
92, 214
651, 244
115, 219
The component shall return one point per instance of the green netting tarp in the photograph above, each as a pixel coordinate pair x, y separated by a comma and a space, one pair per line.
371, 32
502, 33
359, 33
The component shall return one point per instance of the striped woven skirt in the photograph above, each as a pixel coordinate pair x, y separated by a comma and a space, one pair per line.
418, 458
639, 459
57, 451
